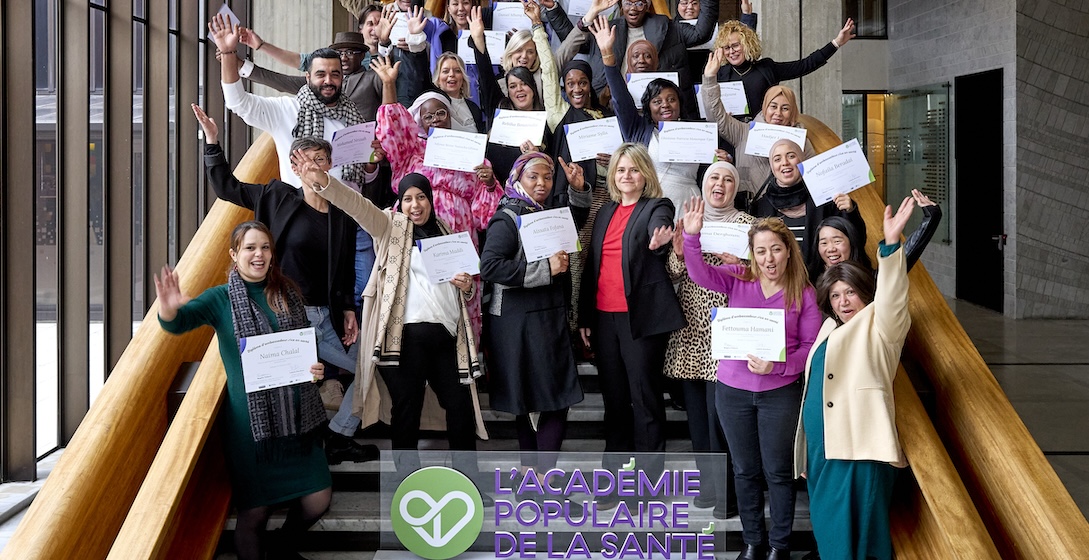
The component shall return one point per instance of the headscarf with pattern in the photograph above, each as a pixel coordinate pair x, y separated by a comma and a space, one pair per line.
513, 188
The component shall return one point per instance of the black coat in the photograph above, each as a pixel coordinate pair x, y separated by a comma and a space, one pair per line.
652, 303
274, 205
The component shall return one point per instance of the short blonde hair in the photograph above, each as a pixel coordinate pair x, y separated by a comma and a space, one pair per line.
464, 90
641, 158
750, 43
520, 39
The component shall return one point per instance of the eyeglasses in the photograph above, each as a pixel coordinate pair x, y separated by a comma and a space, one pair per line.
688, 2
734, 47
637, 4
349, 52
321, 160
439, 115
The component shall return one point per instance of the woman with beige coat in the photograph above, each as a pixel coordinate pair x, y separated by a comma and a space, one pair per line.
846, 444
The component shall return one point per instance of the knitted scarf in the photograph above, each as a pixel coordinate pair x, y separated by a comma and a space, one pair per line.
274, 414
311, 122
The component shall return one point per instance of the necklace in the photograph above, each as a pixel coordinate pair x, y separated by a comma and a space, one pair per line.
742, 74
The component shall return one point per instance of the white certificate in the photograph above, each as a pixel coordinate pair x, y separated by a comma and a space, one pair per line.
353, 144
448, 255
687, 142
732, 95
837, 171
400, 28
578, 7
763, 135
737, 332
638, 82
278, 359
548, 232
509, 15
587, 139
225, 11
454, 149
496, 42
710, 44
511, 128
725, 237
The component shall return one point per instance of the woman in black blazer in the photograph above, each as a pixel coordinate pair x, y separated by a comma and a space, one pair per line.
629, 306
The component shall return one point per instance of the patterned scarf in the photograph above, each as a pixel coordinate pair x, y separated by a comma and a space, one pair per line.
311, 122
513, 188
274, 414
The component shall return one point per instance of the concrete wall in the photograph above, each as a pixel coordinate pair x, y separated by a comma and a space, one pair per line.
865, 65
1052, 78
934, 41
792, 29
297, 25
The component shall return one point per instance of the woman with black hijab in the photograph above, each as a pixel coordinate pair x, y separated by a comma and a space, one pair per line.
417, 334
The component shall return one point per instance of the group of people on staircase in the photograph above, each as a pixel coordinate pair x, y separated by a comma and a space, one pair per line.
337, 247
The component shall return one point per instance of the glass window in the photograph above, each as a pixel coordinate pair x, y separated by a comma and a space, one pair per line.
871, 19
917, 149
139, 46
96, 365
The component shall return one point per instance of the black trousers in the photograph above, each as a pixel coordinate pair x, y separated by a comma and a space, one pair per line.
631, 387
428, 357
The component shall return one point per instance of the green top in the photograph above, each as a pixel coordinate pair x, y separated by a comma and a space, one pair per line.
288, 476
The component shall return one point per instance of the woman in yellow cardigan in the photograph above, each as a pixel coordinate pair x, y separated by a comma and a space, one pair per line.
846, 444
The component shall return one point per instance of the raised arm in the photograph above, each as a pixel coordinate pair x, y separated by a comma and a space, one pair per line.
796, 69
718, 278
891, 317
487, 82
373, 220
692, 35
224, 183
632, 127
557, 19
733, 130
918, 240
250, 38
275, 80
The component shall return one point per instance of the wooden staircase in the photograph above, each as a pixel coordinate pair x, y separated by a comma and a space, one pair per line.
130, 485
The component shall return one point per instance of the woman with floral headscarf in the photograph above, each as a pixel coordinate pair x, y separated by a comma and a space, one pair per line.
532, 366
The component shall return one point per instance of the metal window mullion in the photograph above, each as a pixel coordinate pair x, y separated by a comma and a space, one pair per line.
189, 208
156, 142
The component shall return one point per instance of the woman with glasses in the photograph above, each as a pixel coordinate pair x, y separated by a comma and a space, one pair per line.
741, 52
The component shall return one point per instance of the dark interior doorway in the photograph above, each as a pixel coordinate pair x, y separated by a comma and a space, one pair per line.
980, 239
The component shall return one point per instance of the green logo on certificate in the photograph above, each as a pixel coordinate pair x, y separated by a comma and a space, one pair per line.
437, 513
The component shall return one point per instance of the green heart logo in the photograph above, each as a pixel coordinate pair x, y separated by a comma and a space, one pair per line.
437, 513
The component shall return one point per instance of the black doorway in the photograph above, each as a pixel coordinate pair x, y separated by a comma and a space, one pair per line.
980, 237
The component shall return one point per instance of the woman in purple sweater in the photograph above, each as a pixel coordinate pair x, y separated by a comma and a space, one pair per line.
758, 401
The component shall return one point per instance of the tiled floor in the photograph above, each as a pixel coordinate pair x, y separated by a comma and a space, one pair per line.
1043, 365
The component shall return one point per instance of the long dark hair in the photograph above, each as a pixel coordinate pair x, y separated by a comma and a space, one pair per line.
860, 280
654, 89
522, 73
276, 283
856, 238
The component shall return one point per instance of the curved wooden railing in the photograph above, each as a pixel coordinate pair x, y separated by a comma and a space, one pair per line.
127, 487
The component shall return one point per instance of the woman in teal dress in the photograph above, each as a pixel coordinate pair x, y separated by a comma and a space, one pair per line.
847, 446
272, 438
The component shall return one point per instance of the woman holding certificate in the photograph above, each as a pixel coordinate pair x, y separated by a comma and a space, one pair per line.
532, 366
779, 108
273, 454
628, 304
522, 95
661, 102
757, 398
785, 196
417, 334
688, 355
846, 444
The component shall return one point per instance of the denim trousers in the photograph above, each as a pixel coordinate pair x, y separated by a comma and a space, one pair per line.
364, 262
330, 349
759, 430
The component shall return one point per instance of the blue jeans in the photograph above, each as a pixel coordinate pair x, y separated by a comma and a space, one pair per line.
331, 350
759, 429
364, 262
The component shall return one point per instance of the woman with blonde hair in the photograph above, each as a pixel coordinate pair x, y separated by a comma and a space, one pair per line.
740, 51
758, 400
628, 306
450, 78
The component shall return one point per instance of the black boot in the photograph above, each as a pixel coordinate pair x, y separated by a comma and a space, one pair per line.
778, 554
339, 448
751, 552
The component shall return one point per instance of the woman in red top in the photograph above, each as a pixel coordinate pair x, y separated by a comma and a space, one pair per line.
628, 306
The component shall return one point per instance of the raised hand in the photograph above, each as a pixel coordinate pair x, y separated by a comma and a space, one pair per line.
893, 225
224, 33
575, 175
416, 20
384, 70
476, 28
605, 35
168, 291
207, 124
309, 171
746, 6
532, 11
847, 33
662, 235
693, 215
557, 263
843, 202
678, 238
714, 62
386, 23
921, 199
248, 37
